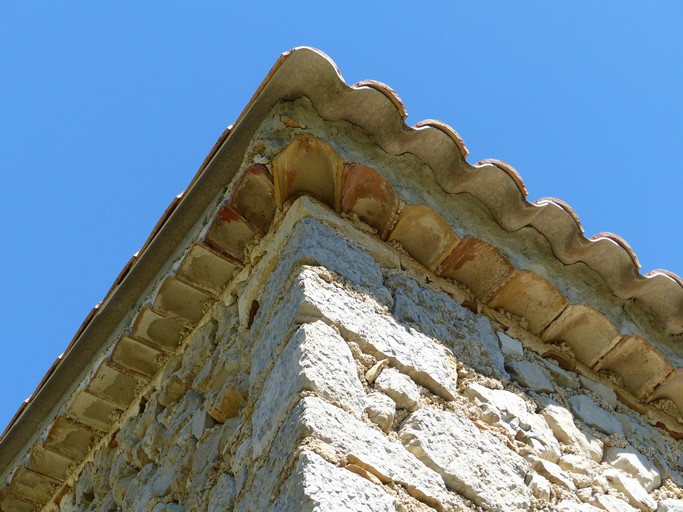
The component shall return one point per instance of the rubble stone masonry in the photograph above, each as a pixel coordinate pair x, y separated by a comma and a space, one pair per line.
344, 380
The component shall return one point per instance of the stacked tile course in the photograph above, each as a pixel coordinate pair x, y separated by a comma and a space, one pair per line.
338, 338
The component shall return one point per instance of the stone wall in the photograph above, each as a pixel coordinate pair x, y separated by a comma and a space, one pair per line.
344, 379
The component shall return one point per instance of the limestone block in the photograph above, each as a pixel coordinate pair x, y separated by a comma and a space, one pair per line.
553, 473
572, 506
509, 411
472, 462
368, 448
538, 485
311, 242
427, 362
168, 507
636, 495
316, 359
317, 485
437, 315
602, 390
595, 416
562, 377
561, 422
380, 410
222, 495
670, 505
531, 375
400, 388
576, 464
635, 464
511, 347
227, 401
611, 503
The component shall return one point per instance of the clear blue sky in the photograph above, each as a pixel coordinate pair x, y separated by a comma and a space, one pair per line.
107, 110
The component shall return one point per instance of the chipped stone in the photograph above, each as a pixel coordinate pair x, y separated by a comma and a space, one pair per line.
635, 464
561, 422
553, 473
375, 370
603, 391
400, 388
473, 463
636, 495
531, 375
510, 346
380, 410
539, 486
594, 416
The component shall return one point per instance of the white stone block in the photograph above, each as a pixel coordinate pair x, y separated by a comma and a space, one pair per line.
636, 495
435, 314
603, 391
561, 422
427, 362
316, 485
473, 463
594, 416
670, 505
531, 375
511, 347
635, 464
400, 388
316, 359
381, 410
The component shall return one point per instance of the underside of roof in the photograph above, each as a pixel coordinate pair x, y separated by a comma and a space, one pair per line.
494, 282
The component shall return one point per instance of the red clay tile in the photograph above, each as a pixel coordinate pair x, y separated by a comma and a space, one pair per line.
532, 297
367, 194
587, 332
230, 232
641, 366
478, 265
424, 234
308, 166
254, 197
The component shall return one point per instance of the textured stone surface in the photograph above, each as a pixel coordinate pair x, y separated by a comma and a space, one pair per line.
469, 336
510, 346
561, 422
369, 449
381, 410
611, 503
280, 400
399, 387
503, 408
605, 392
531, 375
427, 362
315, 359
471, 462
317, 485
595, 416
634, 463
636, 495
670, 505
